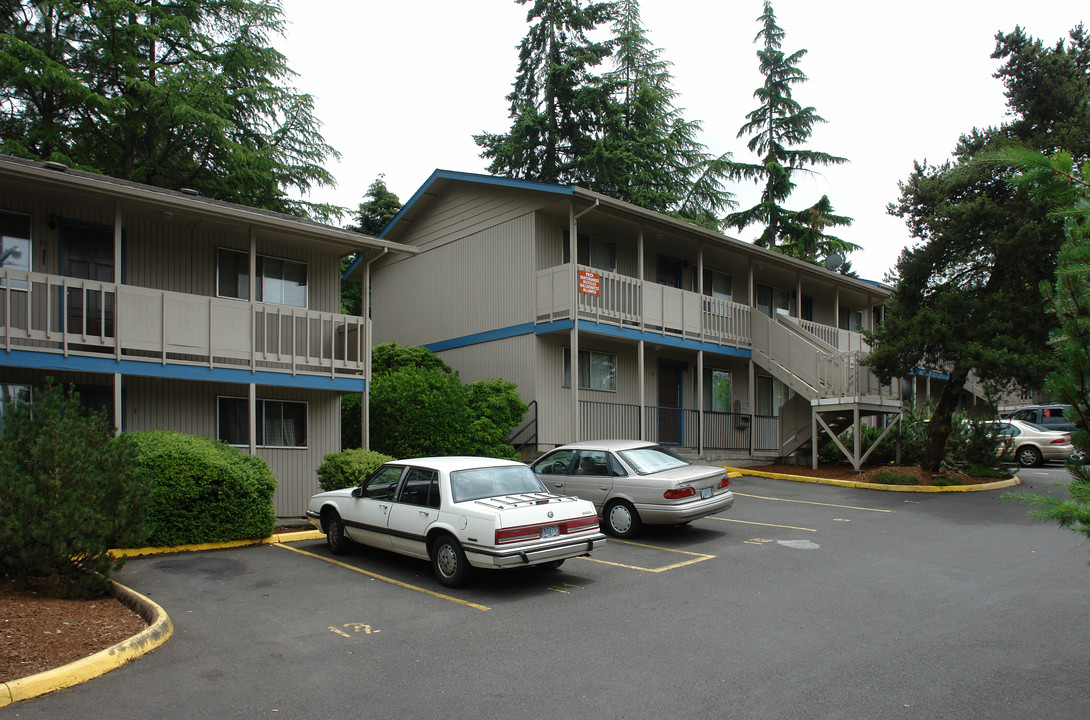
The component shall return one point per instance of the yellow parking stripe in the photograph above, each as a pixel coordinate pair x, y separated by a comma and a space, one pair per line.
809, 502
383, 578
696, 557
750, 522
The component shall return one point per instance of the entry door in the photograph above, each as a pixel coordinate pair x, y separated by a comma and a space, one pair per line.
89, 255
670, 429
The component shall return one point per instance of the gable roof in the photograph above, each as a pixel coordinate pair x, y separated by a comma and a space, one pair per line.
441, 179
49, 176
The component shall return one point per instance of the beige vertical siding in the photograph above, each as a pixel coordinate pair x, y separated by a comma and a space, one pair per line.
450, 291
191, 408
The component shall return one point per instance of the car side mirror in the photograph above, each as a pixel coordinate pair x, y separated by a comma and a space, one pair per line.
357, 492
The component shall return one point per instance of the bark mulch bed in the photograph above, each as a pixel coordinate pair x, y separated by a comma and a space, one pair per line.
41, 633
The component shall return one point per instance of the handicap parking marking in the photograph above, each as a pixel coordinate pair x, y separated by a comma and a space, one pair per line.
811, 502
383, 578
695, 557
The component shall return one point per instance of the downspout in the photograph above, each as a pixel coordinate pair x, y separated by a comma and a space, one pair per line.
365, 400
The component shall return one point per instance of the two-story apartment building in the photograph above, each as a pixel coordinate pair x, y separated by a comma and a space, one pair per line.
616, 321
179, 312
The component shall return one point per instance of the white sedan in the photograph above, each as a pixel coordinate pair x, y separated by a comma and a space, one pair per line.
461, 513
633, 483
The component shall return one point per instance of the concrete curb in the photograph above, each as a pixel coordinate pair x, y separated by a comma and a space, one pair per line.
998, 485
158, 631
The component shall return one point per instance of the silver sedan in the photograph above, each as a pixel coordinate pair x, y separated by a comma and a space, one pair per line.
1031, 444
632, 483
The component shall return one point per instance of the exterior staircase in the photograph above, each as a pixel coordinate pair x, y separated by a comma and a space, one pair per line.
833, 389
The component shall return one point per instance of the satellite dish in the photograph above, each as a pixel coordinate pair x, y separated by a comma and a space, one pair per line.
834, 261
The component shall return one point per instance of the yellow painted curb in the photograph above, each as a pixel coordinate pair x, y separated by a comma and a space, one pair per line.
158, 631
997, 485
280, 537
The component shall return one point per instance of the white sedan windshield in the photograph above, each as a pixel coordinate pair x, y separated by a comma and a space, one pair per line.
652, 459
492, 481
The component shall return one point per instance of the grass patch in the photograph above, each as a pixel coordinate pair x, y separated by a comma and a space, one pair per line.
943, 481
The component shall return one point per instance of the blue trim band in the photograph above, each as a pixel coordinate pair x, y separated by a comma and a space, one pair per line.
200, 373
479, 338
589, 326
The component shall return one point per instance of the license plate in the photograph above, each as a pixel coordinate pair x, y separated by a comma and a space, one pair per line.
705, 493
550, 531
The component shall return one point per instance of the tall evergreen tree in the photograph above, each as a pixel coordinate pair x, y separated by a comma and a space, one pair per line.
967, 298
558, 105
174, 93
778, 128
650, 155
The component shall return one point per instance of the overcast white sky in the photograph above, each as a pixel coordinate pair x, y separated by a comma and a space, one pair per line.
401, 87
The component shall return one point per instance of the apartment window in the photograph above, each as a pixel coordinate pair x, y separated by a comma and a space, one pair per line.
280, 423
15, 247
770, 300
721, 386
771, 395
279, 282
850, 320
597, 371
12, 394
717, 285
595, 252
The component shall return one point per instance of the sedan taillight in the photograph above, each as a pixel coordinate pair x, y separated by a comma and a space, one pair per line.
523, 533
1061, 441
678, 493
725, 482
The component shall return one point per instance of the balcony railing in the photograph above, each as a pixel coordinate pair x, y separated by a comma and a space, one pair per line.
55, 314
630, 302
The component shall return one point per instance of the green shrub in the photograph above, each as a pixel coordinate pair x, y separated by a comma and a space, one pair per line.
205, 491
349, 468
943, 481
351, 421
419, 407
69, 491
418, 412
495, 408
892, 477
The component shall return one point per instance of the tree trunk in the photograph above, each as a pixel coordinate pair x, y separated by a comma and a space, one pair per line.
939, 427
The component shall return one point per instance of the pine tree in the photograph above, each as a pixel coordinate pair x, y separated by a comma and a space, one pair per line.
967, 300
186, 93
777, 128
650, 155
558, 106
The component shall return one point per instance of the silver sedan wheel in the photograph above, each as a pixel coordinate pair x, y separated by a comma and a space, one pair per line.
622, 519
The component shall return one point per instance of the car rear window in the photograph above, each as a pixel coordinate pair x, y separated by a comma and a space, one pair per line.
652, 459
492, 482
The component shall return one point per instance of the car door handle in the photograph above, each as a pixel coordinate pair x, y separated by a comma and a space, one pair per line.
425, 513
603, 488
559, 485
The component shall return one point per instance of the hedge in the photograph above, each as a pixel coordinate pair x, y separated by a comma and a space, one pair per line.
205, 491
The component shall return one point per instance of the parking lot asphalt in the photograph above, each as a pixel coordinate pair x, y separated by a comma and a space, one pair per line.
803, 601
